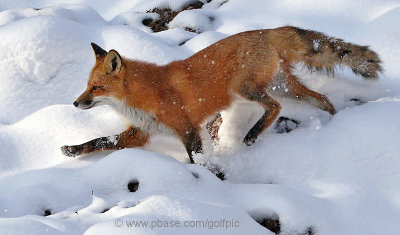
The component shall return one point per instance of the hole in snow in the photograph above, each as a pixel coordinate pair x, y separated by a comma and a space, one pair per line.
133, 185
269, 182
105, 210
195, 175
357, 101
47, 212
309, 231
191, 30
222, 3
183, 42
220, 175
147, 21
286, 125
271, 223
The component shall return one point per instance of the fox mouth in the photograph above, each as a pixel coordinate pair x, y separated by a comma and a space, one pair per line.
88, 106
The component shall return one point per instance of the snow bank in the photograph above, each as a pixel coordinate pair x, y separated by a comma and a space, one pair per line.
331, 175
38, 53
195, 20
35, 141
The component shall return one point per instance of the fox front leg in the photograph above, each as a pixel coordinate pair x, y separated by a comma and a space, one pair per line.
132, 137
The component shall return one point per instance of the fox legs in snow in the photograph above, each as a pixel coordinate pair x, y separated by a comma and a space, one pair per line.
299, 91
192, 142
272, 108
131, 137
303, 93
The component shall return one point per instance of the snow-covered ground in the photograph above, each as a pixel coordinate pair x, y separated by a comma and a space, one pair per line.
332, 175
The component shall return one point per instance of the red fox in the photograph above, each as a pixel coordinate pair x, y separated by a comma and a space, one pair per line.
180, 96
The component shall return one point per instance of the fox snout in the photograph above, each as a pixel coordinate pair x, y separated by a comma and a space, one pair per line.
85, 101
84, 104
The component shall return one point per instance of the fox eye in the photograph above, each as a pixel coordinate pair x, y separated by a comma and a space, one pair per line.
95, 88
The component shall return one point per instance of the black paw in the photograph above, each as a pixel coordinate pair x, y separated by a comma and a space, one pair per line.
71, 151
286, 125
249, 140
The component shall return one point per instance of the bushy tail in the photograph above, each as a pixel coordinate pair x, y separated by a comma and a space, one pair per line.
325, 53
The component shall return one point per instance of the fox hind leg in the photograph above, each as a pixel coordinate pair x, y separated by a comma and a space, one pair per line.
272, 109
132, 137
295, 89
301, 92
192, 142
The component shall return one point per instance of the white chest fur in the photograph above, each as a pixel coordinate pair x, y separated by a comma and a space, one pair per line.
138, 118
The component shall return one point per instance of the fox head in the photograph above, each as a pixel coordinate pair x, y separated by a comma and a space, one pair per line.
104, 80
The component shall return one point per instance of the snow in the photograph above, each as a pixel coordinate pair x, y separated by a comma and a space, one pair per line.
335, 174
195, 19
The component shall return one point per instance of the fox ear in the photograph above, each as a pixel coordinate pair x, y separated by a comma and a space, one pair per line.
98, 51
113, 62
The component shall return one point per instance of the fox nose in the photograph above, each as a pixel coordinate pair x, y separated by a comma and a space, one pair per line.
76, 104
